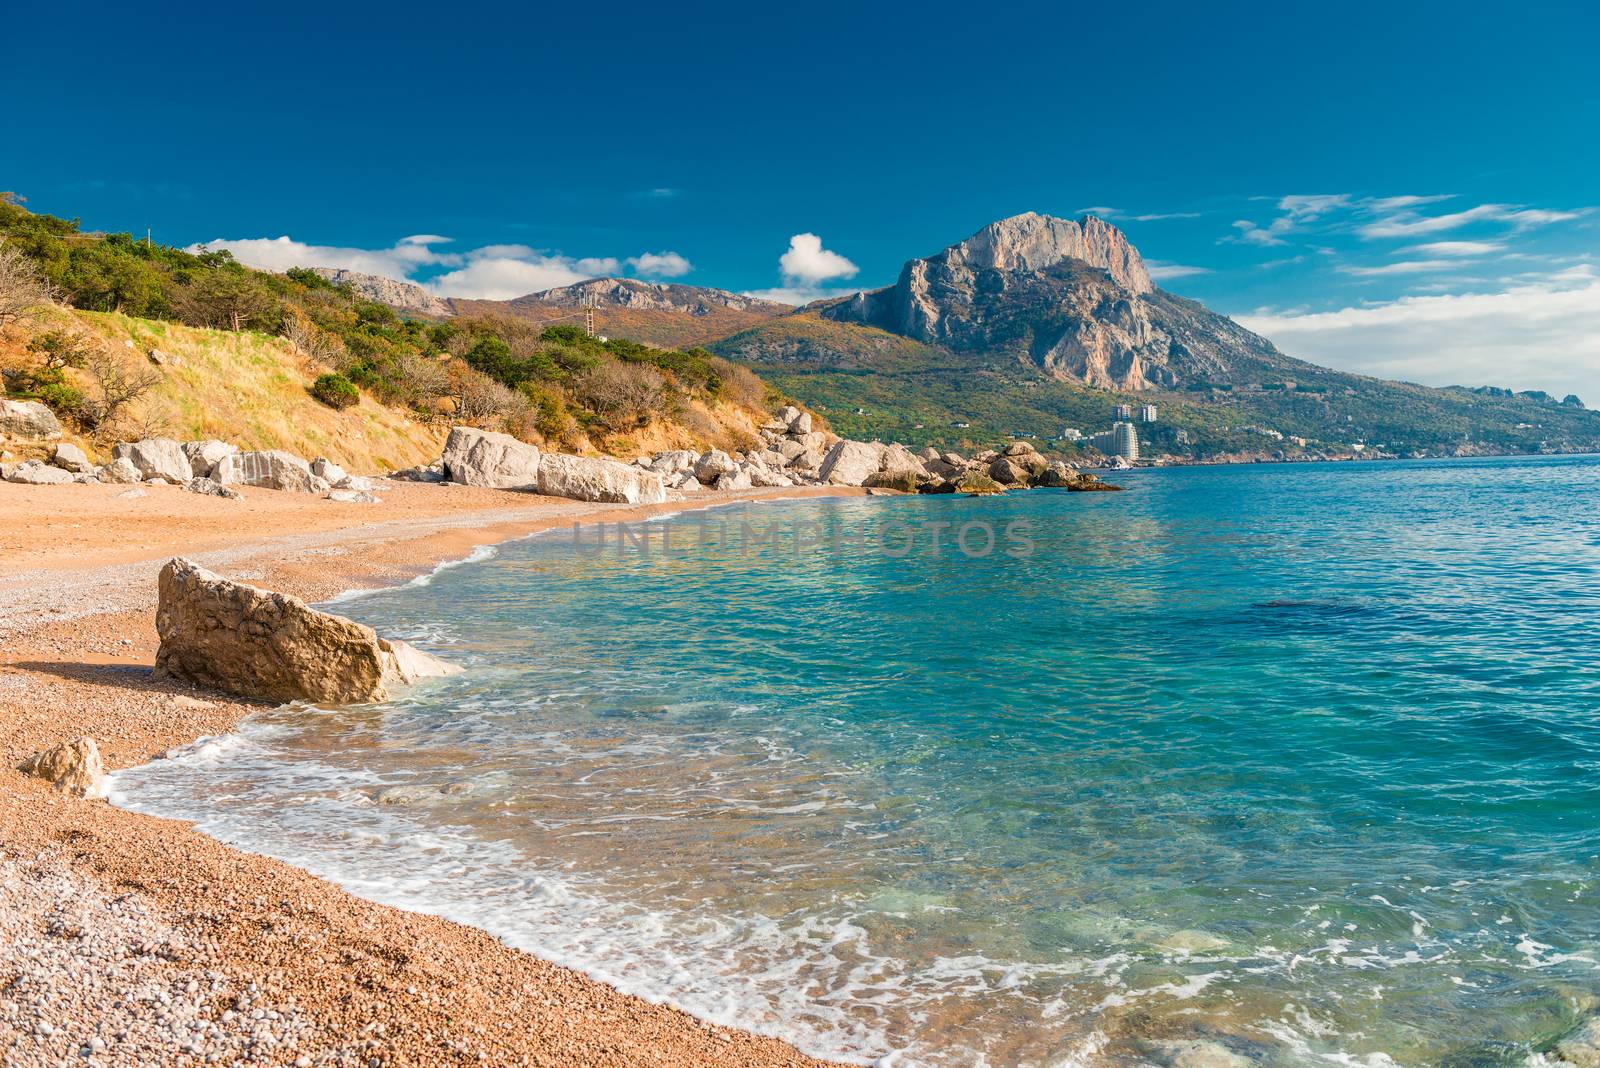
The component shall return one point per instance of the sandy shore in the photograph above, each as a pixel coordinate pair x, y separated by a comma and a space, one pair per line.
136, 941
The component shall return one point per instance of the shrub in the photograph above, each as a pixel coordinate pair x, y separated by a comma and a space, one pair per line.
23, 291
622, 395
336, 391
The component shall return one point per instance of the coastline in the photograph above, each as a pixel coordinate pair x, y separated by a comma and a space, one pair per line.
236, 954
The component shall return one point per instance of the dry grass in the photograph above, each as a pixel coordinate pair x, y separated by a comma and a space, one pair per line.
254, 391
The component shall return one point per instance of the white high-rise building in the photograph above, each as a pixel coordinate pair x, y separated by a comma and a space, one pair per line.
1147, 414
1125, 441
1122, 412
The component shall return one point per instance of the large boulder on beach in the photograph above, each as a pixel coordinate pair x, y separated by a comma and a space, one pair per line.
587, 478
156, 458
34, 473
234, 637
28, 421
713, 464
273, 469
73, 766
476, 457
205, 455
851, 463
899, 460
674, 461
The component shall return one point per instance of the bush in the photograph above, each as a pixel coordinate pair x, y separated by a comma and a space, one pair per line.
623, 395
336, 391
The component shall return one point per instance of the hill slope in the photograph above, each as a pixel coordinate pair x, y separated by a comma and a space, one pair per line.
675, 316
252, 390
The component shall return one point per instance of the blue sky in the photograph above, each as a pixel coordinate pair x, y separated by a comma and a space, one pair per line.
1406, 190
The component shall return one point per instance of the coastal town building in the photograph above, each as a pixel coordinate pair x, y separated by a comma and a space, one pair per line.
1122, 413
1072, 433
1121, 440
1147, 413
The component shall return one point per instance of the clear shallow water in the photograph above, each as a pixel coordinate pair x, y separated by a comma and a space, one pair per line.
1302, 760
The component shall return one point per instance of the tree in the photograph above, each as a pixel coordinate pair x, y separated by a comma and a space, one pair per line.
22, 291
115, 384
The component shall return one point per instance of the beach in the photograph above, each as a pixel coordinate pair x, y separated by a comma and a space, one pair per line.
139, 941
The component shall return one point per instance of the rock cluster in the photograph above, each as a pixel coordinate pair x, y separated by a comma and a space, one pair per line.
793, 453
207, 467
483, 458
248, 641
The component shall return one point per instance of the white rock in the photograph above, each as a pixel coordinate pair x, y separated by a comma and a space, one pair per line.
800, 424
475, 457
156, 458
273, 469
734, 480
353, 496
205, 455
28, 421
585, 478
325, 468
69, 457
34, 473
712, 465
851, 463
118, 471
358, 483
674, 461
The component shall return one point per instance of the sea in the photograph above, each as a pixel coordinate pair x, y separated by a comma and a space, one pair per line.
1272, 764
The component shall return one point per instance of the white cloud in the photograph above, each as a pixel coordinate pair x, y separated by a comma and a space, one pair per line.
1384, 205
798, 295
492, 272
1163, 271
1453, 248
281, 253
1101, 210
504, 276
1543, 334
660, 264
1403, 267
1158, 216
807, 263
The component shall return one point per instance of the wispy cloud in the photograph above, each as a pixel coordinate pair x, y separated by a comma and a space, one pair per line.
1297, 211
1453, 248
1544, 334
1403, 267
491, 272
1411, 224
1162, 272
1159, 216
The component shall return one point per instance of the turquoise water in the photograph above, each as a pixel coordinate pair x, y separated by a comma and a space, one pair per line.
1297, 760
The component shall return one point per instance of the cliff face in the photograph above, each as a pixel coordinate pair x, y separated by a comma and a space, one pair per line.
402, 296
1072, 299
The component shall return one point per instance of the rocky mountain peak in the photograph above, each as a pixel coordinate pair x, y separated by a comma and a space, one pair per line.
403, 296
647, 296
1034, 242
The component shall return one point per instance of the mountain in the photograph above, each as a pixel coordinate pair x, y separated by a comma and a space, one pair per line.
1036, 324
656, 313
401, 296
1072, 299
